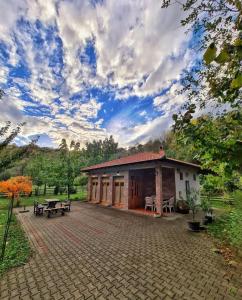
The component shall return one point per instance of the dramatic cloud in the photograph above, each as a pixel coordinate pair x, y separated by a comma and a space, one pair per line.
85, 69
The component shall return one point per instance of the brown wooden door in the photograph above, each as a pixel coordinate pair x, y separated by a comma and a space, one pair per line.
168, 183
118, 191
135, 192
105, 187
94, 189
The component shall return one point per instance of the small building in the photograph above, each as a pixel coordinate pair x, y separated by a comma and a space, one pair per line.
125, 182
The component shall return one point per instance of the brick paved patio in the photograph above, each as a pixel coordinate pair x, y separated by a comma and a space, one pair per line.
102, 253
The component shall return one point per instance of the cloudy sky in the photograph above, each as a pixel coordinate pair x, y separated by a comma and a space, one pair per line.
82, 70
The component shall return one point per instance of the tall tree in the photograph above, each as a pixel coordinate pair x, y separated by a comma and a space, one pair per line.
70, 163
218, 77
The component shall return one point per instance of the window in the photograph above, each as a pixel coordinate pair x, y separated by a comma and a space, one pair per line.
194, 177
181, 176
187, 187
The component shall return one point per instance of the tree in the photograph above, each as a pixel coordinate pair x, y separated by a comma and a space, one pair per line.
174, 149
70, 163
218, 77
7, 138
13, 187
99, 151
37, 169
216, 144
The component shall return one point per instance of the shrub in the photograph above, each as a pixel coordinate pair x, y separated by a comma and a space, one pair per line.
228, 227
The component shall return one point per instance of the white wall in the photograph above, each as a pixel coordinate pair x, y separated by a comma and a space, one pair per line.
187, 175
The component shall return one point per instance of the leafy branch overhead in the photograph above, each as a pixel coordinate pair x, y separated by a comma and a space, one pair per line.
214, 137
218, 26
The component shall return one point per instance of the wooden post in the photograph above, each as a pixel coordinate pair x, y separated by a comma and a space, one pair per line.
110, 191
89, 188
158, 186
99, 188
126, 190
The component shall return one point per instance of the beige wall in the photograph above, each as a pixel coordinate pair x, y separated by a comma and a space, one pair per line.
187, 175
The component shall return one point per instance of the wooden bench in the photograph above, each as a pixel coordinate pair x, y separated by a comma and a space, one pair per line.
67, 205
38, 209
55, 209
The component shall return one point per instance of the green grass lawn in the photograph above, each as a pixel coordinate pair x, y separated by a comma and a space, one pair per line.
228, 225
17, 249
29, 201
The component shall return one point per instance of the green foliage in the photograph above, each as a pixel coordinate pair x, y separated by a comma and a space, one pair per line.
192, 201
228, 227
210, 54
219, 26
223, 56
216, 144
236, 83
18, 248
98, 151
7, 159
206, 204
81, 180
174, 149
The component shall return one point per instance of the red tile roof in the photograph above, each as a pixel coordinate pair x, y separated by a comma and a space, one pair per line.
136, 158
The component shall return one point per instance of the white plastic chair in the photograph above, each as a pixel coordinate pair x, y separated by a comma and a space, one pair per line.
154, 202
149, 202
170, 204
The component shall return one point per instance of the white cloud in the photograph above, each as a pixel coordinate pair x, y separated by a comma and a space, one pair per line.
140, 50
143, 113
133, 39
169, 102
140, 133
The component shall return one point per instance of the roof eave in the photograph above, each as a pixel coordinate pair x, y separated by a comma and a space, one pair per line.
117, 165
180, 162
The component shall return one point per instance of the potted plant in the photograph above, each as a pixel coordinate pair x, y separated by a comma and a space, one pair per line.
192, 198
182, 206
207, 209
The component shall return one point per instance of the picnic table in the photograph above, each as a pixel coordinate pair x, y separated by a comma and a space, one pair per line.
51, 203
51, 207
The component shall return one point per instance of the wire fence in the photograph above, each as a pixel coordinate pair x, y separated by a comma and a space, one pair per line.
45, 191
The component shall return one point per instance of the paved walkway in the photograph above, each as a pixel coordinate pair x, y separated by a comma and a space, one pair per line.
102, 253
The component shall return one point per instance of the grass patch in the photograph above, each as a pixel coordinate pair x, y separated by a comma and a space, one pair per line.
17, 249
29, 201
228, 227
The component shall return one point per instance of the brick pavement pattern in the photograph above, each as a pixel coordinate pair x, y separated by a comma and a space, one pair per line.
101, 253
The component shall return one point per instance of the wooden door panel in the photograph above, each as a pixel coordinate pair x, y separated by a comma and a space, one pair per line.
105, 186
168, 182
94, 189
135, 191
118, 190
116, 193
121, 193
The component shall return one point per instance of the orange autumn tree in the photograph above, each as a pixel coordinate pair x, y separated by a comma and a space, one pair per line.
13, 187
